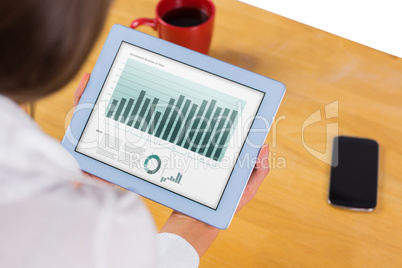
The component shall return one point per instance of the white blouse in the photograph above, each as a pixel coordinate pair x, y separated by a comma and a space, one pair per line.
47, 221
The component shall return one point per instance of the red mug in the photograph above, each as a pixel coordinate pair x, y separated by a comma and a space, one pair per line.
188, 23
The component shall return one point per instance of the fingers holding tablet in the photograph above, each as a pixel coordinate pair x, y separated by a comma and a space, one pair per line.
81, 87
258, 175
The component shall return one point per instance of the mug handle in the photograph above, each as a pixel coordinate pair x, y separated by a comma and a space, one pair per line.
144, 21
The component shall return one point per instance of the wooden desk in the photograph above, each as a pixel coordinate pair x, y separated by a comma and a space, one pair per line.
289, 223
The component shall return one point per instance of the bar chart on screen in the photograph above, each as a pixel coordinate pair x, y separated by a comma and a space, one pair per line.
189, 115
176, 179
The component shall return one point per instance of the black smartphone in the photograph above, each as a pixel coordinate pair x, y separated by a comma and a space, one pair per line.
354, 173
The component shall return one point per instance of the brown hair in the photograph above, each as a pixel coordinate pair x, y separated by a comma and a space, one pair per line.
44, 42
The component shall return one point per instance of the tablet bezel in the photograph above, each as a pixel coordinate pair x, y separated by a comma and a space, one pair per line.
222, 216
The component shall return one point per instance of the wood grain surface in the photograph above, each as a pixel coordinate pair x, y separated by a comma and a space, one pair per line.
333, 86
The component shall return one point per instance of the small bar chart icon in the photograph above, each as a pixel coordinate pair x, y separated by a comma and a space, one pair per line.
176, 179
174, 109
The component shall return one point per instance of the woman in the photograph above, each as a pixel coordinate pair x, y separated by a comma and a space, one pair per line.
47, 219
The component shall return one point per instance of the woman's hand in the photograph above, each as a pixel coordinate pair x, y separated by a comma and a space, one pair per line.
261, 170
201, 235
81, 87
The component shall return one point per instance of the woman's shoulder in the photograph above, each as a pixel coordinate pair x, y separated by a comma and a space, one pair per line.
27, 154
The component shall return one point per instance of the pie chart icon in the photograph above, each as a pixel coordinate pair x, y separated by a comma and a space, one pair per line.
152, 164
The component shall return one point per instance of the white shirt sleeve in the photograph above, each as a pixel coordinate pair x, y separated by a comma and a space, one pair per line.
174, 251
47, 222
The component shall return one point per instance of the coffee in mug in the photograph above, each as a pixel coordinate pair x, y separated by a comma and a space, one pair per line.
188, 23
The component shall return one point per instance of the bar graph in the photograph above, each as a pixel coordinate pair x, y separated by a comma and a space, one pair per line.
177, 110
176, 179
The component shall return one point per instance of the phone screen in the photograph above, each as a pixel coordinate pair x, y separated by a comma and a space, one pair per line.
354, 173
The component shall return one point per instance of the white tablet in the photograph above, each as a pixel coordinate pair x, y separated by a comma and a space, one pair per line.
173, 125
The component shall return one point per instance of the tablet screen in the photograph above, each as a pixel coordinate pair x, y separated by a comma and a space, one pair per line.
171, 124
